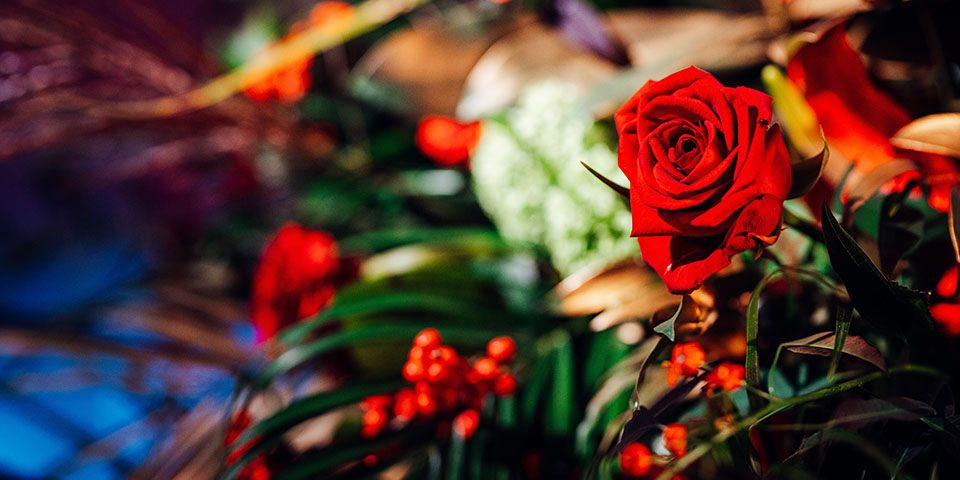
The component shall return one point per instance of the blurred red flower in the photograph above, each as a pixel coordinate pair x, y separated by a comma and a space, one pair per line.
295, 279
290, 84
447, 141
945, 308
857, 117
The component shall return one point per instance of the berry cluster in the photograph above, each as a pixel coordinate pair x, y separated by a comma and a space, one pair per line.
443, 382
636, 461
686, 360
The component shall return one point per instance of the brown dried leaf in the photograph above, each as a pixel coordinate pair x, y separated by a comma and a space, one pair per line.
807, 171
938, 134
862, 188
800, 10
424, 70
595, 290
822, 344
524, 56
710, 39
648, 302
660, 42
954, 223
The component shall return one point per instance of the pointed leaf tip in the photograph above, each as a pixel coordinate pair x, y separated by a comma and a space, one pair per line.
623, 191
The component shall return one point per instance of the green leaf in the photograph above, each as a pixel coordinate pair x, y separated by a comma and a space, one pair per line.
777, 382
900, 230
624, 192
879, 301
536, 384
667, 328
559, 418
844, 318
445, 307
386, 239
455, 457
321, 463
269, 431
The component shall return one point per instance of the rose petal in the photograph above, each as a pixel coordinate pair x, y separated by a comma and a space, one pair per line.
760, 220
658, 252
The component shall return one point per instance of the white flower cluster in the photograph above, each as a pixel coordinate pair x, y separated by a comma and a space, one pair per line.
527, 176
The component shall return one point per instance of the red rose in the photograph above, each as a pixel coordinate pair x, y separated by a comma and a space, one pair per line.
708, 174
295, 279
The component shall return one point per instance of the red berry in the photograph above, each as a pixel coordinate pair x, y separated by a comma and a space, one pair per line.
374, 402
437, 372
465, 424
426, 405
427, 338
413, 371
405, 405
422, 387
504, 385
635, 460
501, 349
416, 354
446, 355
373, 422
486, 368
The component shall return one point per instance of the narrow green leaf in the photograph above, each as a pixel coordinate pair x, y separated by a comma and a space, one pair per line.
455, 462
383, 240
445, 307
559, 415
266, 433
616, 187
879, 301
536, 384
844, 318
319, 464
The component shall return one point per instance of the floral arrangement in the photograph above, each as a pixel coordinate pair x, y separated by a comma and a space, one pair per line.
538, 242
734, 202
792, 316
